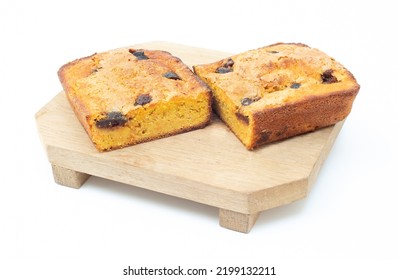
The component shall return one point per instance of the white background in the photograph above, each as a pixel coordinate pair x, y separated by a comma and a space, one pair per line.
346, 227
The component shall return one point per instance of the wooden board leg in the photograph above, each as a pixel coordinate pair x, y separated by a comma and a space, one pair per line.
67, 177
237, 221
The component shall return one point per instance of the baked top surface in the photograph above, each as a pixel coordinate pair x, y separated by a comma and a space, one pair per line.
277, 74
116, 81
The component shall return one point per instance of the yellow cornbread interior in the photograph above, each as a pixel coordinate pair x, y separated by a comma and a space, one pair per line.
152, 121
228, 111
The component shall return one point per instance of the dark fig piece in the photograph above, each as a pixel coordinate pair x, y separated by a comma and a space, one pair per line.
248, 100
140, 55
143, 99
223, 70
295, 85
111, 119
226, 67
327, 77
243, 118
229, 63
171, 75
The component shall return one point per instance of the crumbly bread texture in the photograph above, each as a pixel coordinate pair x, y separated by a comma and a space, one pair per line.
279, 91
128, 96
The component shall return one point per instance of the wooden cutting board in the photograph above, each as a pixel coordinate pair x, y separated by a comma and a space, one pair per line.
208, 165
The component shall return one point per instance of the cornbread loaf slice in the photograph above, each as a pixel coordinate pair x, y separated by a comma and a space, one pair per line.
279, 91
127, 96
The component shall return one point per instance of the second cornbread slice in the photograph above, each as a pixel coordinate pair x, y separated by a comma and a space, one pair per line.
279, 91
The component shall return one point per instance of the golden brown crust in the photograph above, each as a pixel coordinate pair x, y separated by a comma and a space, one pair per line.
128, 96
296, 118
279, 91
